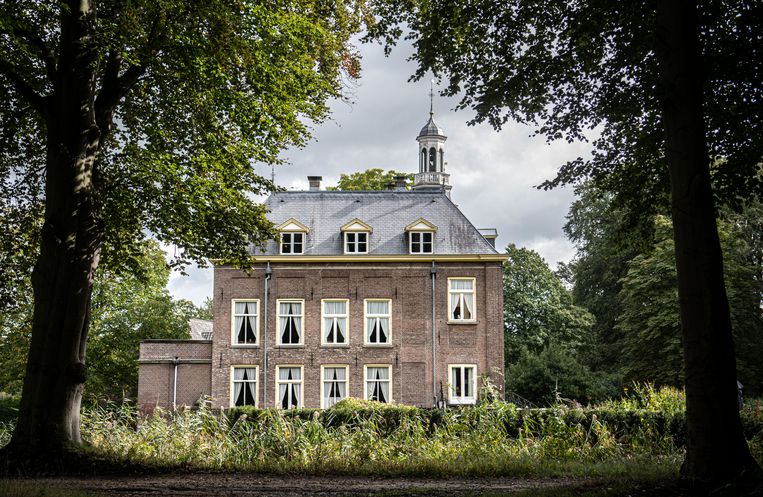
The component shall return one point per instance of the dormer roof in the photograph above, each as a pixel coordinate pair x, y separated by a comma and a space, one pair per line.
292, 224
390, 214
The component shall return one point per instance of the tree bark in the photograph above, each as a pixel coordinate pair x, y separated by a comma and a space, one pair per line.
716, 450
49, 419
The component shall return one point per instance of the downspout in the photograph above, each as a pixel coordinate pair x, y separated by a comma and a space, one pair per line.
268, 275
175, 385
433, 273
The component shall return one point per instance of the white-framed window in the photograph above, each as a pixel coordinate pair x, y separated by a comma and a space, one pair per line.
289, 386
245, 322
421, 242
334, 322
290, 321
333, 384
461, 301
378, 313
378, 382
292, 243
244, 386
462, 383
356, 242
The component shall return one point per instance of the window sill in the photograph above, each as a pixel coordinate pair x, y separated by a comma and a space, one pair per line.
471, 321
464, 402
290, 345
379, 345
244, 346
335, 345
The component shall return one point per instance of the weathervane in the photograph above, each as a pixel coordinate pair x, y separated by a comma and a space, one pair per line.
431, 97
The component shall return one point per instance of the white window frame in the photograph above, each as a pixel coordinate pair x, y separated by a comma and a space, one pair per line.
462, 399
366, 315
346, 368
346, 317
356, 234
256, 383
421, 242
473, 292
279, 316
301, 383
366, 380
234, 331
291, 243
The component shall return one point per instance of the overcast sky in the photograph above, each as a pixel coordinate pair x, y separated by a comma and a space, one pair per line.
493, 174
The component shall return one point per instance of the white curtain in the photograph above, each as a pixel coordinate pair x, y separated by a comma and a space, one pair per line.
377, 385
377, 307
468, 305
334, 386
468, 382
455, 308
334, 308
238, 375
461, 284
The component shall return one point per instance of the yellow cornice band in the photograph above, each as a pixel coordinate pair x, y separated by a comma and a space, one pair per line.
377, 258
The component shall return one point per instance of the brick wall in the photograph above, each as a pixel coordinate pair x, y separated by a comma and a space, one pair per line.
156, 372
407, 285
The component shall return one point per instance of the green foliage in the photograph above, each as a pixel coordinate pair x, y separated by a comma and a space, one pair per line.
201, 91
650, 321
605, 243
556, 373
537, 309
644, 429
126, 308
370, 179
567, 68
9, 408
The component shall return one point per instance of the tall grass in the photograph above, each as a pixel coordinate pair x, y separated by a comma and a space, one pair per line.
639, 435
484, 440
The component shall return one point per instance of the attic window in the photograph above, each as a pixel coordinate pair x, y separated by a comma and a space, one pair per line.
421, 237
356, 237
292, 239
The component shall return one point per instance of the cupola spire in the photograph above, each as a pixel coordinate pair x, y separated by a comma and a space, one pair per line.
431, 152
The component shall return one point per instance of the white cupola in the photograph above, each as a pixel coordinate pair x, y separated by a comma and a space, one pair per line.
431, 152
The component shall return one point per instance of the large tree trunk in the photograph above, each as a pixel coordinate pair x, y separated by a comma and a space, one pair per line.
48, 421
716, 450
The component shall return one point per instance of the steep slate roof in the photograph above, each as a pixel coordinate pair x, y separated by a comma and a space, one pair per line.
387, 212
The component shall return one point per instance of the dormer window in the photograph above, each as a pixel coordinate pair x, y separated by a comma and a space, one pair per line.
421, 237
292, 237
356, 237
421, 242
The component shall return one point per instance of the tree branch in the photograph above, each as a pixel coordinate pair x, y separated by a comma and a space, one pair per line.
38, 45
24, 89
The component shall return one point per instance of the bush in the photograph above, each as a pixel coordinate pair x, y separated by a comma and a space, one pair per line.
9, 408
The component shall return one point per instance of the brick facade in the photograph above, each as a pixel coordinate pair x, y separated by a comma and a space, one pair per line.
409, 288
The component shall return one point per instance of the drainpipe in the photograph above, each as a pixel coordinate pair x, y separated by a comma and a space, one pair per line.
268, 275
175, 384
433, 273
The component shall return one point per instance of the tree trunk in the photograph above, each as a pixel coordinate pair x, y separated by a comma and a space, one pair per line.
49, 420
716, 450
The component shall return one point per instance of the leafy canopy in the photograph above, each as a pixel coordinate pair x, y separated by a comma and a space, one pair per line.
588, 70
187, 96
370, 179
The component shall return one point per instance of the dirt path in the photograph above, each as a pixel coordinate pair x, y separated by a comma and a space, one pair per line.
251, 485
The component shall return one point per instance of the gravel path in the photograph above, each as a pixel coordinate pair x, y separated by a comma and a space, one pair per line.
250, 485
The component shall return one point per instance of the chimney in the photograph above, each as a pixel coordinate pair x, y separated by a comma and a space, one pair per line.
400, 182
315, 183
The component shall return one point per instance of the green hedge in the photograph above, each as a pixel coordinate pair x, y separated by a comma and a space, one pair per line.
625, 424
